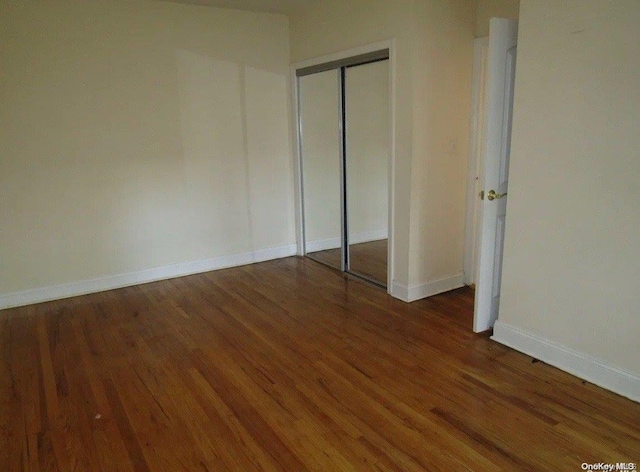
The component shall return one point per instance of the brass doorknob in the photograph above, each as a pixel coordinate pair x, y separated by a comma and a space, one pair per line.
492, 195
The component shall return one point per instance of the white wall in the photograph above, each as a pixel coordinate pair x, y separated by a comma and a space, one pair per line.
432, 71
571, 273
138, 135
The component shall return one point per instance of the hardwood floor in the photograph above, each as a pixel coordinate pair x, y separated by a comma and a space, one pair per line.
287, 365
368, 259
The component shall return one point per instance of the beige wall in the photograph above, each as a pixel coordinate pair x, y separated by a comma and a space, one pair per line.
571, 270
488, 9
443, 59
135, 135
433, 46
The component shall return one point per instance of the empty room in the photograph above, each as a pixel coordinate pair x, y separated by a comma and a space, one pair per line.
319, 235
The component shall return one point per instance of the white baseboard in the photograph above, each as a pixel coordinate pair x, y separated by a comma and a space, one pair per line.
367, 236
83, 287
427, 289
574, 362
357, 238
323, 244
271, 253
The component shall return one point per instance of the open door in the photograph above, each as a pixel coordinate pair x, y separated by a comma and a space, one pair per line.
501, 67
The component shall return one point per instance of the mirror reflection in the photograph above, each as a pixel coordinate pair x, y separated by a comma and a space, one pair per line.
345, 145
367, 149
319, 106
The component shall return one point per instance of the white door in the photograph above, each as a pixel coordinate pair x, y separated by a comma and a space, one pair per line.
501, 67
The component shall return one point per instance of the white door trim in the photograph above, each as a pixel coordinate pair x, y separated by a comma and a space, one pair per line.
297, 161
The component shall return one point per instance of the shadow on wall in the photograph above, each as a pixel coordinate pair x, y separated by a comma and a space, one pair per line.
139, 135
225, 185
234, 124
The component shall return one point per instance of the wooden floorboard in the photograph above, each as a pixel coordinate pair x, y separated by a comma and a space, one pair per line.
287, 366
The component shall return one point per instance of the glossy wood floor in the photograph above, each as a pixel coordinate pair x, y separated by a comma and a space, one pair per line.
287, 365
368, 259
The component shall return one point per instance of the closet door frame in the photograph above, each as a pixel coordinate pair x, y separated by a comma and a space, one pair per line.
339, 62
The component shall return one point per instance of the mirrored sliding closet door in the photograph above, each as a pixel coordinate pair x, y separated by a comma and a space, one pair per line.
367, 156
344, 131
321, 176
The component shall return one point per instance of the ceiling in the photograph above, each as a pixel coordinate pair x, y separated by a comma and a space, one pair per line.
272, 6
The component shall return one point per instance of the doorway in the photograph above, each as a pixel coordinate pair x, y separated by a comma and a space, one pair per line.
344, 147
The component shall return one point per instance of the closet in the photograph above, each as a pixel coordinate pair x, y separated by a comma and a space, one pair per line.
344, 139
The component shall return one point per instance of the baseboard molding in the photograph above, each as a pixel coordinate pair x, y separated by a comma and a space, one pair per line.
271, 253
83, 287
357, 238
427, 289
574, 362
367, 236
323, 244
